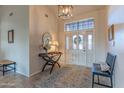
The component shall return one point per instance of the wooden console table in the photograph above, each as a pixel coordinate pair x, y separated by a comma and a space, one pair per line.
6, 66
51, 58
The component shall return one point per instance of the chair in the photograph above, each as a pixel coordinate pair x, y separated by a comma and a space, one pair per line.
96, 70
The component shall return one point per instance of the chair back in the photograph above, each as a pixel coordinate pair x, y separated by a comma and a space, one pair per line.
110, 60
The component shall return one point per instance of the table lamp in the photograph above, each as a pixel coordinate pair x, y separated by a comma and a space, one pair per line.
54, 45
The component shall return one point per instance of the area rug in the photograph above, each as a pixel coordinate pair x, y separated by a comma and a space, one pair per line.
68, 76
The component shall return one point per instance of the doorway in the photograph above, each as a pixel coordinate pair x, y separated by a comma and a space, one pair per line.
79, 47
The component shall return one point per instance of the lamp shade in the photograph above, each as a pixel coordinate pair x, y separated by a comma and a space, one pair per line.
54, 45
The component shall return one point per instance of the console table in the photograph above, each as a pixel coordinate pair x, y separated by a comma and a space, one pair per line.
7, 66
51, 58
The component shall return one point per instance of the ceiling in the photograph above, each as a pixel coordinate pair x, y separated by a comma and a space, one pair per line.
78, 9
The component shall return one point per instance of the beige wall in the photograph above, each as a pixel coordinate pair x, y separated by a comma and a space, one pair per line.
19, 50
38, 25
29, 23
100, 33
116, 17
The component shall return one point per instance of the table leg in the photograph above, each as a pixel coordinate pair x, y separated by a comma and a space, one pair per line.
14, 67
52, 68
44, 66
3, 70
58, 64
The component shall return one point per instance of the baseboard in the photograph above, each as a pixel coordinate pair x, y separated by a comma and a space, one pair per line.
34, 73
22, 73
28, 75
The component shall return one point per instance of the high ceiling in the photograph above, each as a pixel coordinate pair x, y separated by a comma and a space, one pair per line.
78, 9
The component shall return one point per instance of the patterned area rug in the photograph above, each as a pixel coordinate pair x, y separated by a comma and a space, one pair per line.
68, 76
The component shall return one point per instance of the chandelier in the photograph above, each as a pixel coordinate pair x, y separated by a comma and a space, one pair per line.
65, 11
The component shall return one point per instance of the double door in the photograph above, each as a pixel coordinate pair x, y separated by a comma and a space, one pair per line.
79, 48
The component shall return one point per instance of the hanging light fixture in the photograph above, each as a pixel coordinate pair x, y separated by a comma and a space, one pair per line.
65, 11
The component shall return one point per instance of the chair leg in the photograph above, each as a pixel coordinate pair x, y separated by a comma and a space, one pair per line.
92, 80
3, 70
52, 68
14, 67
44, 66
111, 82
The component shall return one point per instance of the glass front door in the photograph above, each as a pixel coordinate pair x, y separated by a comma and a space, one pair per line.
79, 48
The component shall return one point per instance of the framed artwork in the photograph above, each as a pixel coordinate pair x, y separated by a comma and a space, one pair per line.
111, 33
11, 36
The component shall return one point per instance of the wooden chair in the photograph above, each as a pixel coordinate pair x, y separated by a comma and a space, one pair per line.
96, 70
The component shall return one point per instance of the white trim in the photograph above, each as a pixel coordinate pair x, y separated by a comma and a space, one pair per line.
30, 74
22, 73
34, 73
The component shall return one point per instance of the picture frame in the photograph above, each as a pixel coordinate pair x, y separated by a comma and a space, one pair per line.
11, 36
111, 33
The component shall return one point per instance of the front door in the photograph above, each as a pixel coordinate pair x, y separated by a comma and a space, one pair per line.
79, 48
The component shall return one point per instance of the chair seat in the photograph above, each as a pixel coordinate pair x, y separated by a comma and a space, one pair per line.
96, 69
